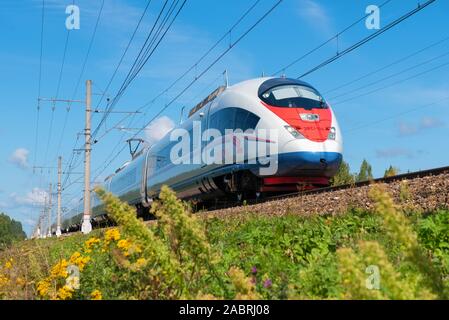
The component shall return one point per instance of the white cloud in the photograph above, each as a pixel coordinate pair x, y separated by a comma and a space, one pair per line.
429, 122
20, 158
406, 129
156, 130
36, 196
315, 15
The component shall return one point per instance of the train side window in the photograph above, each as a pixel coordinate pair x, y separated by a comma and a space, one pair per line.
251, 121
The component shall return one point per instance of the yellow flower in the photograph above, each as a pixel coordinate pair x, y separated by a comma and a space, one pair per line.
141, 262
43, 287
75, 257
3, 280
59, 270
91, 242
65, 293
96, 295
112, 235
8, 264
78, 260
124, 244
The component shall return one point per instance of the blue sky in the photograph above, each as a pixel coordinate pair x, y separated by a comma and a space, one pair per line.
402, 123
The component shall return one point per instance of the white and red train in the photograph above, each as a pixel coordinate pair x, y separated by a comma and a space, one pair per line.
308, 148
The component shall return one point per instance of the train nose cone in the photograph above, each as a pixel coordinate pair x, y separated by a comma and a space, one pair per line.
310, 164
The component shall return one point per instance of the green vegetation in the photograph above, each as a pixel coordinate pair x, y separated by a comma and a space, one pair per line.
391, 171
343, 176
365, 172
10, 231
390, 253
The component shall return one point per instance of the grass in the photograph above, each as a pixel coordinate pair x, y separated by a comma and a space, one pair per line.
239, 257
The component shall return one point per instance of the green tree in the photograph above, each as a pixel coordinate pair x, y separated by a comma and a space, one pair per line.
343, 175
391, 171
10, 230
365, 172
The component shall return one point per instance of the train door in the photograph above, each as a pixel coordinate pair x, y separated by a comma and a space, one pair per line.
148, 170
205, 122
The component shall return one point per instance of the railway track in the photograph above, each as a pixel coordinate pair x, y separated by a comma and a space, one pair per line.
387, 180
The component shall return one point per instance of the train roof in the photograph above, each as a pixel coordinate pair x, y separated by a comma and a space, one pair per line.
208, 99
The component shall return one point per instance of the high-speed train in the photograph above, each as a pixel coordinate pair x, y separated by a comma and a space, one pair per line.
256, 137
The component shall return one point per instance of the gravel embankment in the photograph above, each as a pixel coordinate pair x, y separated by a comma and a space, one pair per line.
425, 194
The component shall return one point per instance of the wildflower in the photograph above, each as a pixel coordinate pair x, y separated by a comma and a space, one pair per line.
254, 270
141, 262
73, 283
65, 293
267, 283
124, 245
91, 242
96, 295
59, 270
43, 286
3, 280
78, 260
8, 264
112, 235
75, 257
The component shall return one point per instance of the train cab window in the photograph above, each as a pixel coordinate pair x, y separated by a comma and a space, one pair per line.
294, 96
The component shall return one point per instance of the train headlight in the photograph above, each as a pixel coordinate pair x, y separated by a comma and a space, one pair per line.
295, 133
332, 134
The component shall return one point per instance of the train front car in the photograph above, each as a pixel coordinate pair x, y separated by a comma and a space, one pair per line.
309, 140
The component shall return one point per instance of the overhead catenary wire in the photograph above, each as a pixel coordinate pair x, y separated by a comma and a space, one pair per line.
398, 61
375, 122
183, 75
231, 46
336, 36
391, 75
70, 167
144, 59
86, 58
58, 87
125, 51
367, 39
394, 83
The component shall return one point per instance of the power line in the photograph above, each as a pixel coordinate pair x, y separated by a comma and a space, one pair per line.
336, 36
231, 46
368, 38
36, 137
137, 66
225, 35
39, 81
81, 73
391, 76
126, 50
397, 115
398, 61
57, 91
393, 84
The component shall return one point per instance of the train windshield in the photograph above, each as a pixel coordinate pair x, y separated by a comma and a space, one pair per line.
294, 96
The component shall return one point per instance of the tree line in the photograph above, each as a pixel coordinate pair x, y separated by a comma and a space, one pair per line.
10, 231
344, 175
